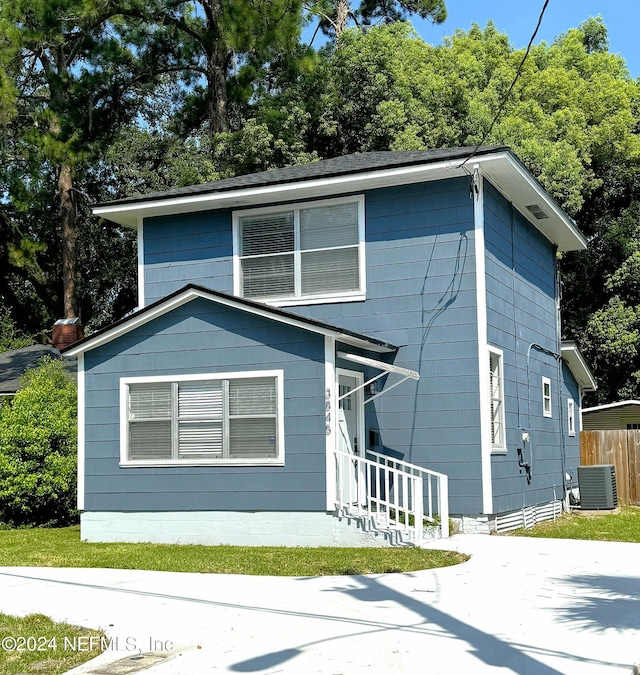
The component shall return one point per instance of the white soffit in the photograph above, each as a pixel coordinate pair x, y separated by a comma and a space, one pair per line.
577, 365
502, 169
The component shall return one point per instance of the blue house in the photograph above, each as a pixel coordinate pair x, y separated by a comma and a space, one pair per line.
335, 353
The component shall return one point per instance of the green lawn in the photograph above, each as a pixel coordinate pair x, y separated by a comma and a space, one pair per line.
36, 644
623, 526
63, 548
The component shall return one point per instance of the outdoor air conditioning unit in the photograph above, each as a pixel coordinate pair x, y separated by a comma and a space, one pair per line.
598, 490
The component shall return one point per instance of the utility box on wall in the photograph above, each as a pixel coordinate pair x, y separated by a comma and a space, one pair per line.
598, 489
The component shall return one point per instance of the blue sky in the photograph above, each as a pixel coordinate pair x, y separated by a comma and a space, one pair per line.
518, 18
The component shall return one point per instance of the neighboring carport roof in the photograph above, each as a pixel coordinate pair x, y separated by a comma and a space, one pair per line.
13, 364
193, 291
618, 404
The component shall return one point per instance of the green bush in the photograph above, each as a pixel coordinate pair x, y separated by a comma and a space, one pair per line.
38, 443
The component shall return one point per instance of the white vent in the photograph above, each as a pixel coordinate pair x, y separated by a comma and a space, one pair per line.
537, 212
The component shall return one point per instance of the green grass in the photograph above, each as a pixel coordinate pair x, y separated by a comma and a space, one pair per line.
63, 548
36, 644
623, 526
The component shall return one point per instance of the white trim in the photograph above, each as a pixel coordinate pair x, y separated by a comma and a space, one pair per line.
559, 228
81, 432
124, 420
572, 356
571, 417
331, 412
191, 294
483, 346
547, 411
580, 409
502, 448
141, 293
299, 299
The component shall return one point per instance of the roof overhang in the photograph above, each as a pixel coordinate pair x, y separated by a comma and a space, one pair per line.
502, 169
578, 366
192, 292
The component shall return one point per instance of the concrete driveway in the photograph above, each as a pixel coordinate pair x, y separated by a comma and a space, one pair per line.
540, 606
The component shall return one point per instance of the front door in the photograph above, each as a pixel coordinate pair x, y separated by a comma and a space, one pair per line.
351, 433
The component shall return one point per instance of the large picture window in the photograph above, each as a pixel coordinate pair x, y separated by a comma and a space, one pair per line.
496, 400
313, 251
229, 419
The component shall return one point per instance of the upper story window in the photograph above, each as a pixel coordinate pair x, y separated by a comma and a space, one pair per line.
311, 252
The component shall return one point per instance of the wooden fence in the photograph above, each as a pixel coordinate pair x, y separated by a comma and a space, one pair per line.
620, 448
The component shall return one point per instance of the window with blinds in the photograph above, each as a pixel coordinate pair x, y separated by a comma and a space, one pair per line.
309, 251
496, 400
200, 421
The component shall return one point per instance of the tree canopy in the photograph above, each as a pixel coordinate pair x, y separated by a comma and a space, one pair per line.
112, 99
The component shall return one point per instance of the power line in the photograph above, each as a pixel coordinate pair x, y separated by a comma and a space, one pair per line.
513, 84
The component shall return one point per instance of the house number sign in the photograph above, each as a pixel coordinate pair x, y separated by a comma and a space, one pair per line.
327, 408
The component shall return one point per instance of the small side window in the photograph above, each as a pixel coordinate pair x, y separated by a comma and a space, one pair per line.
546, 397
571, 417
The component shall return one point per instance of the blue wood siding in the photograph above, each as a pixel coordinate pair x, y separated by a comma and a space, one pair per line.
205, 337
421, 295
522, 321
188, 248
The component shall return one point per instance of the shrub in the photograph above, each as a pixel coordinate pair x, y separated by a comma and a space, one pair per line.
38, 442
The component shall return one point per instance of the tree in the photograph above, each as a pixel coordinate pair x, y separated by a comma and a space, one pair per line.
73, 72
334, 15
211, 40
38, 443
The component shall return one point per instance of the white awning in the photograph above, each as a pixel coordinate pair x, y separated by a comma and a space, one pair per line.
386, 368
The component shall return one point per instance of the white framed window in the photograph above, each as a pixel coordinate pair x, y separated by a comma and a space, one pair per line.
229, 418
571, 416
496, 400
308, 253
546, 397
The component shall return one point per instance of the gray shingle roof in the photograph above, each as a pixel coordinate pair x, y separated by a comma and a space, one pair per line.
13, 363
327, 168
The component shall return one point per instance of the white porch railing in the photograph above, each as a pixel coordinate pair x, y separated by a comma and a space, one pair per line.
390, 493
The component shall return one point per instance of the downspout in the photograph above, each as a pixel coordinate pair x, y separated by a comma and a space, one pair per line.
563, 429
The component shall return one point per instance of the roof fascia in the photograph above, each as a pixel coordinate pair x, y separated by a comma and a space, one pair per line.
578, 366
562, 232
127, 214
182, 298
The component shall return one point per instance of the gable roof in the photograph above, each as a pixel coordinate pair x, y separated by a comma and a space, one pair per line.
14, 362
362, 171
193, 291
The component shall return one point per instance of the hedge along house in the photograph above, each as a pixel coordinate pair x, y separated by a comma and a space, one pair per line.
328, 353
